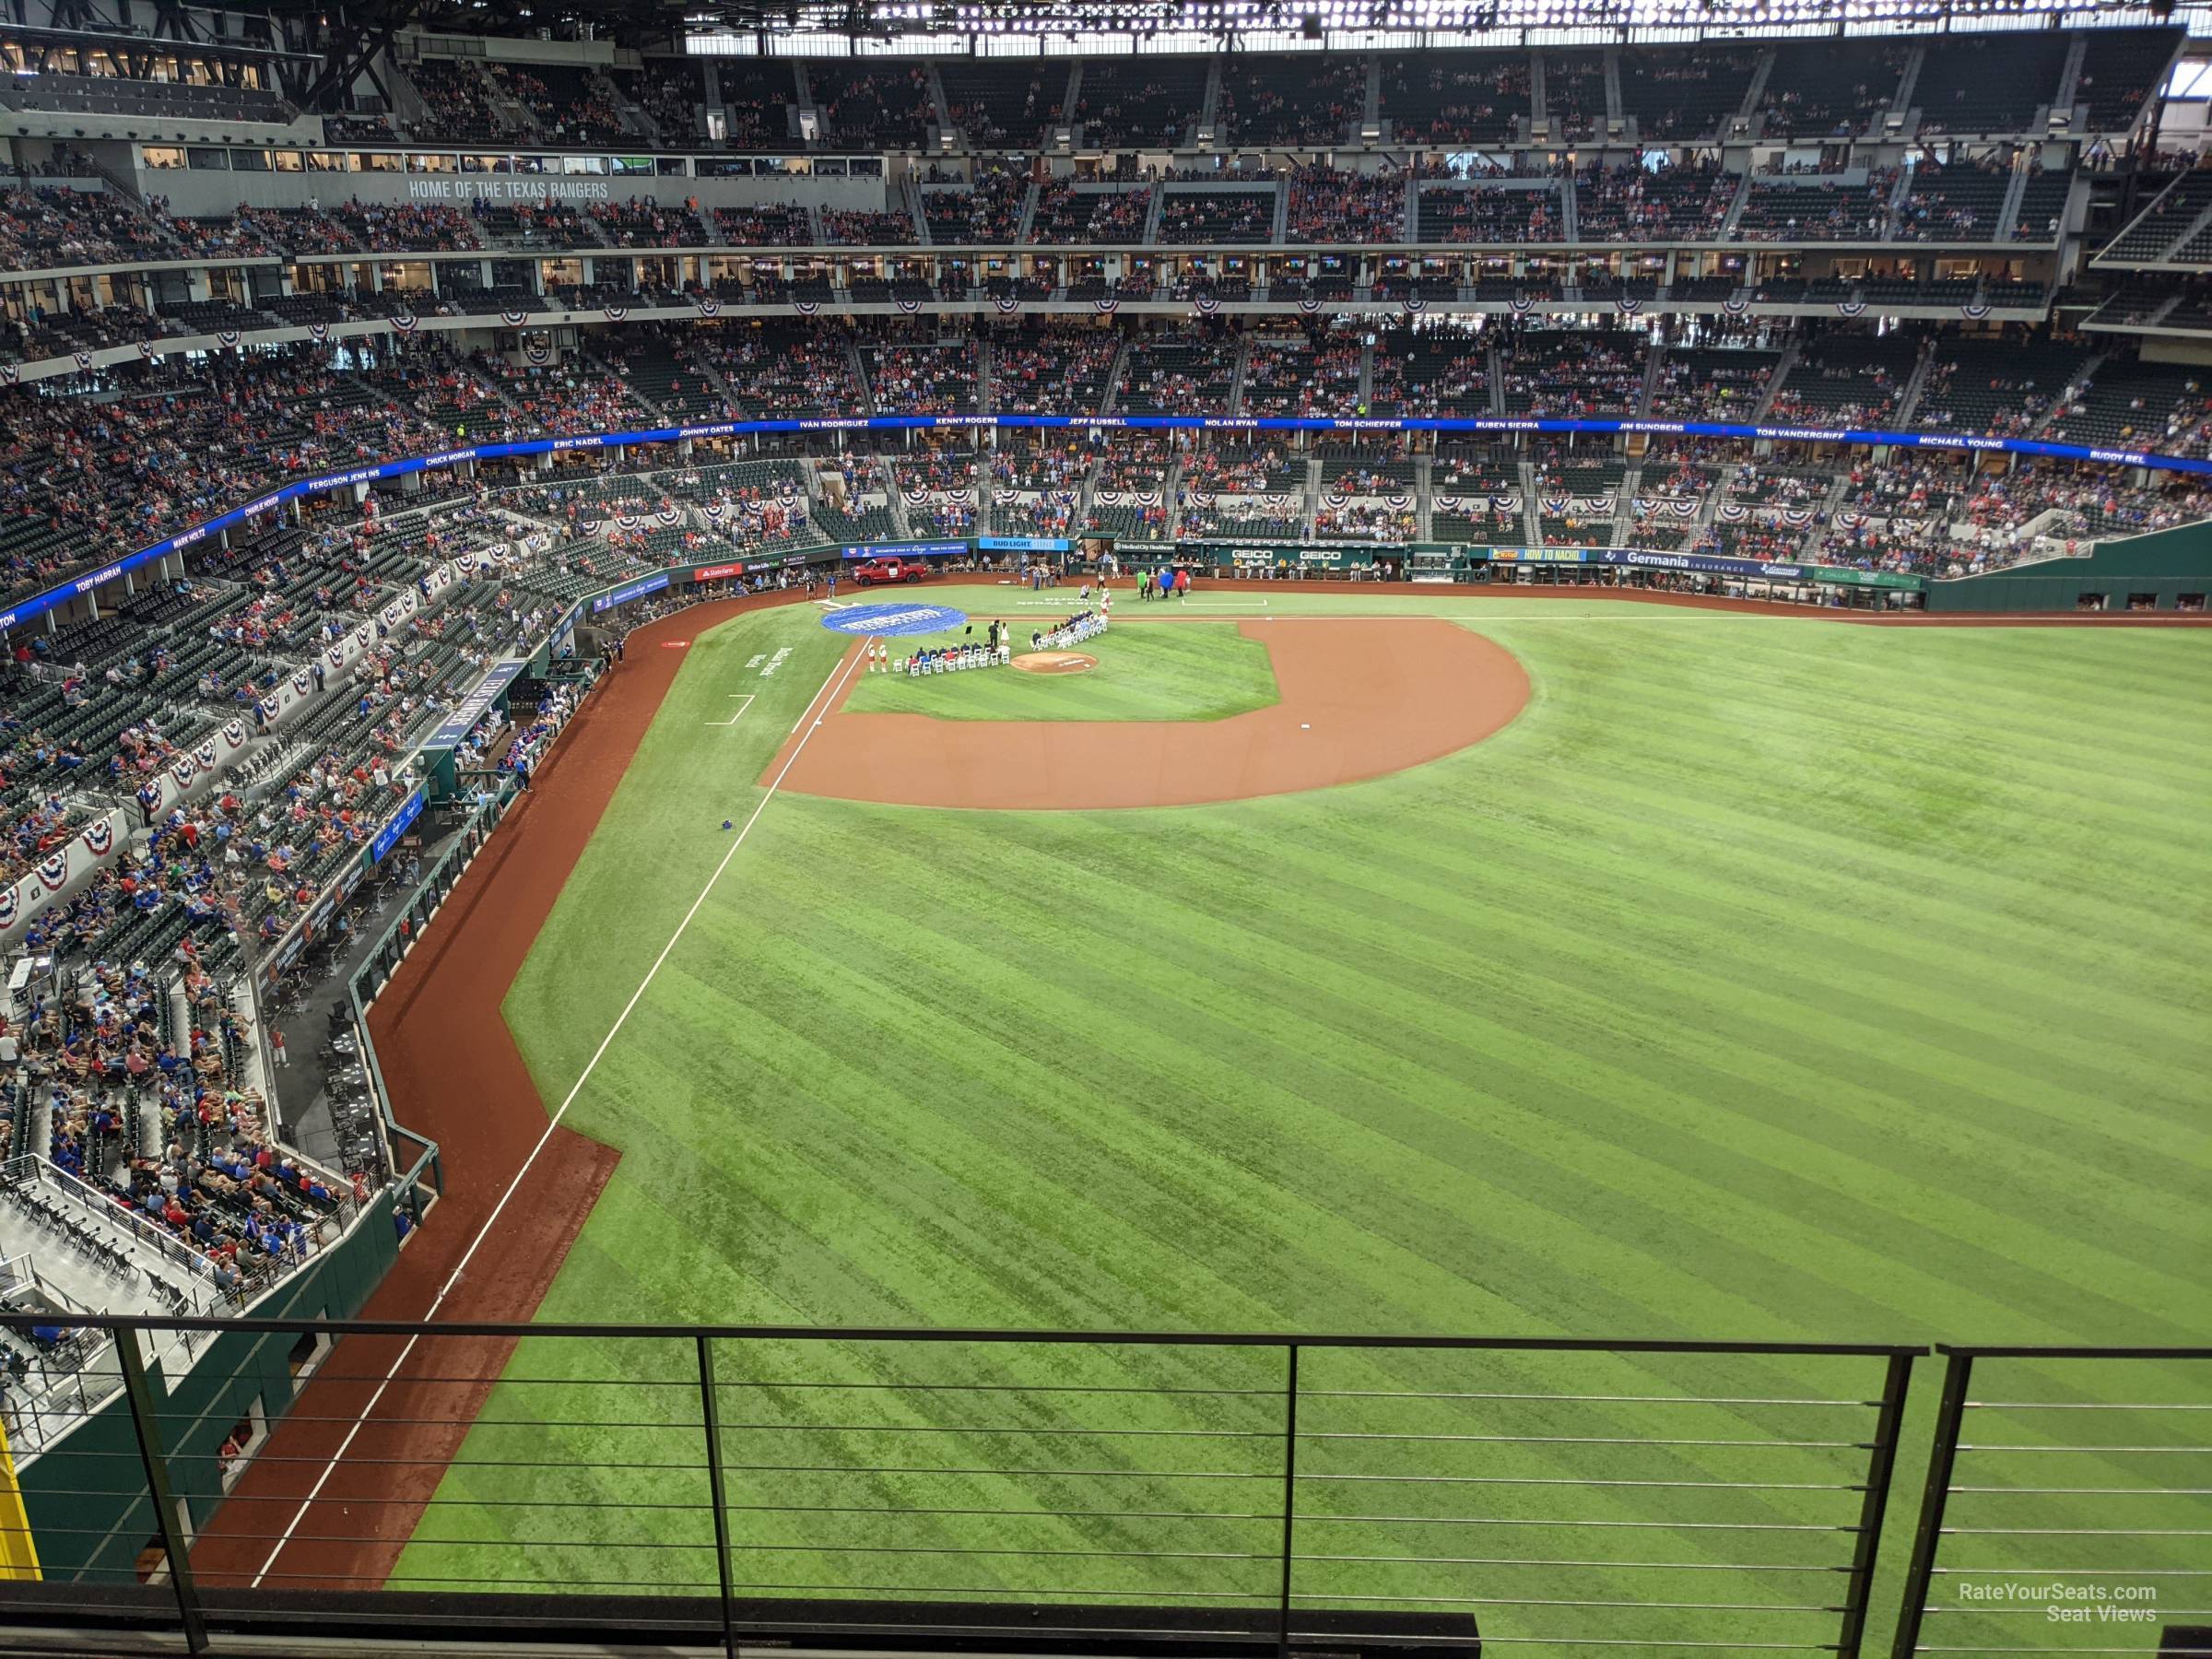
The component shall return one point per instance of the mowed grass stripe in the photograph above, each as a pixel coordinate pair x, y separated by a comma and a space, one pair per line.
1800, 1092
1737, 994
1224, 1025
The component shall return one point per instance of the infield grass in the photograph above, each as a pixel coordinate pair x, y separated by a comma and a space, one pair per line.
1767, 978
1200, 671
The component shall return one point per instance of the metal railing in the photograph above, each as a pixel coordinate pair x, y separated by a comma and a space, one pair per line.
2068, 1505
1281, 1491
32, 1170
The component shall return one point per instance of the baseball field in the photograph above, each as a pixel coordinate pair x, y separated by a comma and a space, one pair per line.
1658, 974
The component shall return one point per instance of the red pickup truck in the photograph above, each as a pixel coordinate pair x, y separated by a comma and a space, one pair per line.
871, 571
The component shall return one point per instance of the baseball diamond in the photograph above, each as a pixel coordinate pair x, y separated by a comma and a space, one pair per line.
1104, 832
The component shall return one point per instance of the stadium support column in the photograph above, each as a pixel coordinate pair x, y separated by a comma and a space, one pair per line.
1282, 1637
1881, 1465
709, 1418
167, 1512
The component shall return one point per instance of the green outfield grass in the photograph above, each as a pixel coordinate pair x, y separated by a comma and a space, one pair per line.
1204, 671
1766, 978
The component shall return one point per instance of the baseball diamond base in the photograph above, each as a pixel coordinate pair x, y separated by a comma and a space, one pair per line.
1361, 697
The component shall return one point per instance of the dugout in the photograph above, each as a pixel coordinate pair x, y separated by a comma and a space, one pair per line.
2160, 570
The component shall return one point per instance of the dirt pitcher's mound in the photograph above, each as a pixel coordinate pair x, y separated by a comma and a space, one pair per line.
1054, 662
1362, 696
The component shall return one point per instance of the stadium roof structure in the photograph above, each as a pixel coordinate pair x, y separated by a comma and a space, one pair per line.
1341, 22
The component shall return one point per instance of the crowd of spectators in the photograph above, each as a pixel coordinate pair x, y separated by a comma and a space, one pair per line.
1630, 203
764, 226
858, 227
58, 225
407, 227
1327, 205
643, 222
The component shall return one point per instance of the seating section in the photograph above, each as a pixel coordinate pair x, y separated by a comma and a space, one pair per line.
1302, 376
1816, 209
1328, 206
919, 378
1993, 83
872, 105
987, 211
1005, 103
757, 101
1089, 216
61, 226
2151, 234
1454, 96
1491, 214
1140, 100
407, 226
1239, 215
457, 103
1711, 384
1826, 88
1177, 374
570, 104
1057, 367
2120, 68
2040, 216
1996, 387
2138, 405
1573, 374
1686, 94
1957, 204
1574, 94
1845, 381
1633, 203
1291, 99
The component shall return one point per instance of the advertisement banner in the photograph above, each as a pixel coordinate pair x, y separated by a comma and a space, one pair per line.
1023, 544
629, 591
388, 837
1881, 578
1702, 564
470, 709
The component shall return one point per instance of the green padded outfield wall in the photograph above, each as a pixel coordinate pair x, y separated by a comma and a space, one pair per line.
88, 1512
2164, 563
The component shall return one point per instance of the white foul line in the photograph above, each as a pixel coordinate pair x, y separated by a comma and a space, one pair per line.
837, 677
742, 707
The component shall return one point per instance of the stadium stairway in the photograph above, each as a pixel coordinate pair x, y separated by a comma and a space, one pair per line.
1909, 400
1624, 504
1761, 410
1113, 381
2008, 216
1735, 208
1825, 520
1238, 372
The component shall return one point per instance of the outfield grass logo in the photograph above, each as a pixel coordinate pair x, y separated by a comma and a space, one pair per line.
893, 619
